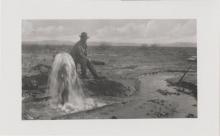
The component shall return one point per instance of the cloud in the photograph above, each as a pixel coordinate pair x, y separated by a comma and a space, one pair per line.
50, 29
27, 28
186, 29
162, 31
33, 31
159, 28
171, 31
126, 32
153, 31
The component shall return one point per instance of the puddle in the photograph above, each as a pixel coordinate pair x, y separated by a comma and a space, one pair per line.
149, 90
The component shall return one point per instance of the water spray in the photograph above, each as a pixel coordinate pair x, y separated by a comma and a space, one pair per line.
65, 87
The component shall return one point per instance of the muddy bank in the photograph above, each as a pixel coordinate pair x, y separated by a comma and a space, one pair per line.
155, 99
35, 97
152, 95
38, 80
107, 88
188, 85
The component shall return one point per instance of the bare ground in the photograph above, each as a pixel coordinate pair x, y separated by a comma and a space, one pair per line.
153, 73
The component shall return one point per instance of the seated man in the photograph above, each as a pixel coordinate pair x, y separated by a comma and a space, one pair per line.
79, 54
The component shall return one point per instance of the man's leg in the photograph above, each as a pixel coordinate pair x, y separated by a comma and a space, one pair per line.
92, 69
86, 63
83, 65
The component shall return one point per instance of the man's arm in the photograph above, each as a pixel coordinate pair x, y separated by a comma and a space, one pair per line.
85, 49
82, 53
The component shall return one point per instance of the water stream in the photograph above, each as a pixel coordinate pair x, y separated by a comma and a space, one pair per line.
65, 87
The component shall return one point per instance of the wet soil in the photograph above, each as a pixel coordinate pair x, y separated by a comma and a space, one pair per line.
145, 84
148, 103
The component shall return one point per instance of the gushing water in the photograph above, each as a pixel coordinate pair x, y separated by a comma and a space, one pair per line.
65, 87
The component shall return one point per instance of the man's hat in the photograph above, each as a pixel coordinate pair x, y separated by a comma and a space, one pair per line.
84, 35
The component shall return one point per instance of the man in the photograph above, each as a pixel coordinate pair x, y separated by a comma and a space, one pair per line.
79, 54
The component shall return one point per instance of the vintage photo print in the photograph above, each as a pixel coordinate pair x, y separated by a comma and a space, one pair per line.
109, 69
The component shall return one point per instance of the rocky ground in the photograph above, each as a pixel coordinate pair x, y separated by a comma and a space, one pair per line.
141, 83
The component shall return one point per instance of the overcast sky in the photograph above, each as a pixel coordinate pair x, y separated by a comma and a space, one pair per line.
134, 31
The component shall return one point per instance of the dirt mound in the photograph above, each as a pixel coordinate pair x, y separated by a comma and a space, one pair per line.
34, 83
35, 97
36, 77
187, 86
107, 88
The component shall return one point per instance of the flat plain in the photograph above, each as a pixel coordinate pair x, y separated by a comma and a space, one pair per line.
151, 74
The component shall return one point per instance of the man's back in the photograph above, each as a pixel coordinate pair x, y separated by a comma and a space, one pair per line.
79, 51
79, 54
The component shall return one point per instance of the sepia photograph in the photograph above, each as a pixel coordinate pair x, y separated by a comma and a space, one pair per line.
109, 69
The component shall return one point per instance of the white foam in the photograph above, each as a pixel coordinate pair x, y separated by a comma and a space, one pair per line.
64, 76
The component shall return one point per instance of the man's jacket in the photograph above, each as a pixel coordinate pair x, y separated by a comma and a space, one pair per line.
79, 51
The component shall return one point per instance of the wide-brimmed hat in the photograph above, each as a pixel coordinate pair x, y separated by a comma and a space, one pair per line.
84, 35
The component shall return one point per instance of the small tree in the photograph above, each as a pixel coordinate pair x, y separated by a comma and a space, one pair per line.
154, 45
104, 46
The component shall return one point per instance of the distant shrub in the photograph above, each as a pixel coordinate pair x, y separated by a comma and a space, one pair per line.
104, 46
154, 45
144, 46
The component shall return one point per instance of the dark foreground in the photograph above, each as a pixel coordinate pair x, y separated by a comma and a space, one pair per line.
145, 83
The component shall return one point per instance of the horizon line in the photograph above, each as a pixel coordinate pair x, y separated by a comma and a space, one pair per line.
110, 42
